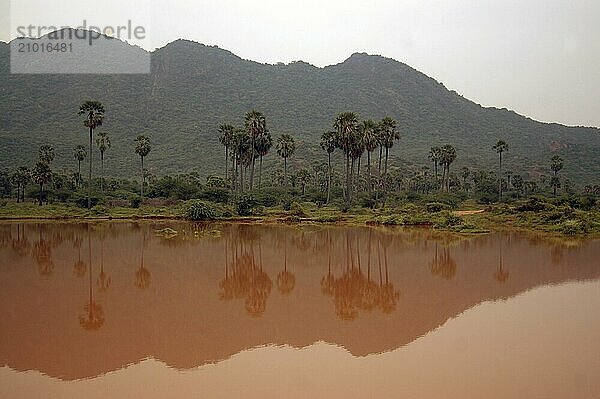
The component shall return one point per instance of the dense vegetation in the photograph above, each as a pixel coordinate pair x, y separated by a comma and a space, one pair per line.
343, 189
194, 88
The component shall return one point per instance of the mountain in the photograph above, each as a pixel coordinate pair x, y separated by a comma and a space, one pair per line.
193, 87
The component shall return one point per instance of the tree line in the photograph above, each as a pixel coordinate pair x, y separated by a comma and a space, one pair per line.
347, 145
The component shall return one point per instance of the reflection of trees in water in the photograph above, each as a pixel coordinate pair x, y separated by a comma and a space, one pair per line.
286, 281
20, 244
92, 317
244, 277
42, 254
142, 275
353, 291
500, 274
79, 266
103, 281
442, 264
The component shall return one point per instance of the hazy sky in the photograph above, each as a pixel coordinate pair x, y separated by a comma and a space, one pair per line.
540, 58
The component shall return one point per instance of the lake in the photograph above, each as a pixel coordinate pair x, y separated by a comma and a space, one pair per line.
175, 309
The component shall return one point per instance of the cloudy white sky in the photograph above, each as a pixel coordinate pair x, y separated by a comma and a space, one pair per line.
538, 57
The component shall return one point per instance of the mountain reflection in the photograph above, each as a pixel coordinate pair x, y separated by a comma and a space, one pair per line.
367, 289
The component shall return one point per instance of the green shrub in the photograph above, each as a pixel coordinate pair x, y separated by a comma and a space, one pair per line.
297, 210
447, 219
245, 204
135, 201
573, 227
100, 210
216, 194
433, 207
197, 210
532, 205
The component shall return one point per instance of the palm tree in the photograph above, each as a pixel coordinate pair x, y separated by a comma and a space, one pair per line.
255, 125
240, 145
448, 155
103, 143
435, 154
142, 148
370, 138
263, 144
328, 143
46, 154
389, 135
41, 174
345, 126
500, 147
79, 153
94, 113
226, 132
21, 177
286, 146
556, 165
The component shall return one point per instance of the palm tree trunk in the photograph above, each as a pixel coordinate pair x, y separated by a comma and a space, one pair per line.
348, 180
253, 161
328, 176
435, 165
260, 172
380, 156
386, 160
18, 192
142, 181
285, 171
500, 177
369, 170
90, 172
358, 168
78, 173
226, 161
41, 192
102, 171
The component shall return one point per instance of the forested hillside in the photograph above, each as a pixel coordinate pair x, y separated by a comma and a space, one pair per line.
192, 88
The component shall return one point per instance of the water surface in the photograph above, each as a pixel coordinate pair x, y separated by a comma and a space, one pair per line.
131, 310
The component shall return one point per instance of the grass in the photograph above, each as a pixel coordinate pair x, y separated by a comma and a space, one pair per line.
546, 218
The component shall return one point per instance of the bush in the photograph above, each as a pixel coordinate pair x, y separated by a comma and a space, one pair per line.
286, 203
532, 205
82, 201
100, 210
216, 194
447, 219
200, 211
245, 204
433, 207
135, 201
297, 210
573, 227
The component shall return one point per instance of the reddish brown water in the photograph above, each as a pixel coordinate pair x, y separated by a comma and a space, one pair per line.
227, 311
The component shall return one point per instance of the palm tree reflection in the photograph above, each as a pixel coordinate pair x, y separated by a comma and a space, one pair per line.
42, 254
93, 316
104, 280
443, 265
353, 292
142, 275
246, 279
79, 266
286, 281
20, 244
500, 274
